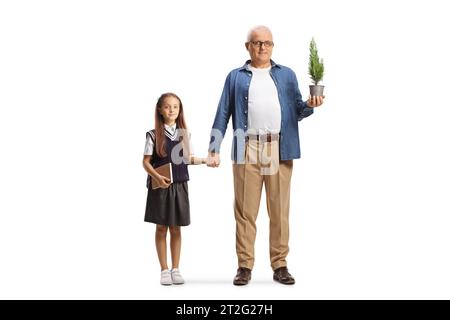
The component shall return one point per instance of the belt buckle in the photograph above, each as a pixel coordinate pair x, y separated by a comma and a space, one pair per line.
262, 137
267, 137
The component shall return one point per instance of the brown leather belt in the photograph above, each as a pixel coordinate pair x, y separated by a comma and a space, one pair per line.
264, 137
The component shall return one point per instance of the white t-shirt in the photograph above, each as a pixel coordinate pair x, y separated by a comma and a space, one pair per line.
264, 110
171, 132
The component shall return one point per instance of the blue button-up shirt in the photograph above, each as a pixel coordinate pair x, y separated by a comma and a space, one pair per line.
234, 102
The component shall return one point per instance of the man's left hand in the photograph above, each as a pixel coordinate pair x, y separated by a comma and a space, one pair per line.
315, 101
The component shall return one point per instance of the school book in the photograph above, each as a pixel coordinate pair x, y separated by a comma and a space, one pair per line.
166, 171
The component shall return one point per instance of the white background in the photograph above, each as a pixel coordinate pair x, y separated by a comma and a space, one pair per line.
78, 85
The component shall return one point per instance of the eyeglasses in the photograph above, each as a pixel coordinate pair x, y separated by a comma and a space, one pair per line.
267, 44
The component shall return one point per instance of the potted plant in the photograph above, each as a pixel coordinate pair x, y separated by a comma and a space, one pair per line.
315, 70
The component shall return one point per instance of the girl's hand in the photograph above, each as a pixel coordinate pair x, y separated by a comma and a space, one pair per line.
195, 160
163, 181
213, 160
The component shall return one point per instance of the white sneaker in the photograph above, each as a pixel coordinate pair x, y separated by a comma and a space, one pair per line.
166, 279
176, 277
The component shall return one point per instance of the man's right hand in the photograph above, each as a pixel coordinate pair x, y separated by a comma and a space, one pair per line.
213, 160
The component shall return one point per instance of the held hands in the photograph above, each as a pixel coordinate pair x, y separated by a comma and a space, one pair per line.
213, 160
315, 101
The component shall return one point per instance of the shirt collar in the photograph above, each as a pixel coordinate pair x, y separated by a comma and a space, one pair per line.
171, 129
245, 66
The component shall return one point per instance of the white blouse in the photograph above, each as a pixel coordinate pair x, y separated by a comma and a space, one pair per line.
172, 133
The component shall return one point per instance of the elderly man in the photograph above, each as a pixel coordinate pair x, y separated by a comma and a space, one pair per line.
265, 103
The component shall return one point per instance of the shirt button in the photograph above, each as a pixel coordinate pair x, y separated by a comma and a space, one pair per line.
245, 98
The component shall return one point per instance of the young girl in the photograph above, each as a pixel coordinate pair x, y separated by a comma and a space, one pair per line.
168, 206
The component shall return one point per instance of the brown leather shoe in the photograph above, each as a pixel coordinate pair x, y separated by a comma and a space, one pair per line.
283, 276
243, 276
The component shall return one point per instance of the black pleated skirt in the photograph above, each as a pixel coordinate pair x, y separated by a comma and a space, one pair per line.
169, 207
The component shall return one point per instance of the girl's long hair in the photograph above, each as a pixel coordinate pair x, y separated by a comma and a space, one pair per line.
159, 124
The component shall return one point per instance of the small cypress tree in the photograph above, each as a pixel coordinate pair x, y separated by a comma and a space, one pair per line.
316, 67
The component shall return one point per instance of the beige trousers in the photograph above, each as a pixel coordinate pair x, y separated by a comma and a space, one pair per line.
262, 167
